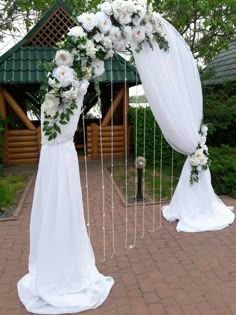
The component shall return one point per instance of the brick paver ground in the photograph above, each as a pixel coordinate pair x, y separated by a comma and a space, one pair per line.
167, 273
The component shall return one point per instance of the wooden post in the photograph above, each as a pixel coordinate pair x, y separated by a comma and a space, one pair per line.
94, 141
3, 111
10, 100
39, 139
116, 103
5, 148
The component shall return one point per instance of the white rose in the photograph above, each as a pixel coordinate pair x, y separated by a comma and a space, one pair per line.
120, 45
137, 20
76, 31
106, 7
115, 34
104, 22
64, 75
198, 158
124, 18
107, 42
128, 32
64, 58
139, 33
50, 104
98, 67
88, 21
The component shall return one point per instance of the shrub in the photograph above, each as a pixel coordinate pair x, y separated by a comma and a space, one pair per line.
223, 169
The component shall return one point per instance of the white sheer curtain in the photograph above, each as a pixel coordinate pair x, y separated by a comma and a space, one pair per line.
173, 89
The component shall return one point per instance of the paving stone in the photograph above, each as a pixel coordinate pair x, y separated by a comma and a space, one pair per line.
166, 273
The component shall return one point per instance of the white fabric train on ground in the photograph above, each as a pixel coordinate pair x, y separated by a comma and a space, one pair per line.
62, 274
172, 86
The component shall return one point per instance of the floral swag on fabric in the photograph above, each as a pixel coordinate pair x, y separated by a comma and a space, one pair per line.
84, 49
199, 160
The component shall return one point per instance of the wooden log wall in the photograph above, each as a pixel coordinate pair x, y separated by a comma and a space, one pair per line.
94, 141
22, 146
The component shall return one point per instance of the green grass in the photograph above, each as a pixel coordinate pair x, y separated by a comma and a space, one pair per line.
151, 183
10, 188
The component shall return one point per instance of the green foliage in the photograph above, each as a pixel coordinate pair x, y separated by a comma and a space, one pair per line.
9, 186
223, 170
220, 116
3, 127
138, 99
207, 25
138, 128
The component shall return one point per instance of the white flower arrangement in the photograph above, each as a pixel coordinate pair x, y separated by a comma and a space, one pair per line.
199, 160
82, 53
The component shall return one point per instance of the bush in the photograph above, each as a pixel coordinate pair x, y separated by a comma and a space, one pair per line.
220, 115
223, 167
223, 170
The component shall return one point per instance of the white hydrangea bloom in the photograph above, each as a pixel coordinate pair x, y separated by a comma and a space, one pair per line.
88, 21
204, 130
70, 95
98, 67
77, 31
109, 54
91, 49
50, 104
64, 75
104, 22
88, 73
148, 28
64, 58
54, 84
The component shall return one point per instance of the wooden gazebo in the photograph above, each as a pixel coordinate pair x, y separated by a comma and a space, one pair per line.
21, 74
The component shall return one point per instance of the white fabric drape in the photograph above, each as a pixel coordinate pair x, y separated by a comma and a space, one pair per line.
62, 277
173, 89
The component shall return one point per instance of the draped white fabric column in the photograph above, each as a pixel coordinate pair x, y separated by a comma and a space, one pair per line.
173, 89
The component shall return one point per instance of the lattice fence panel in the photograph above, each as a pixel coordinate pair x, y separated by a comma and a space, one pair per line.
53, 30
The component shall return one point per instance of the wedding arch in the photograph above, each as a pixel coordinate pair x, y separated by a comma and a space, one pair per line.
172, 86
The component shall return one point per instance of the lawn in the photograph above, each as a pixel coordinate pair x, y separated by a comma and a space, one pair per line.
151, 183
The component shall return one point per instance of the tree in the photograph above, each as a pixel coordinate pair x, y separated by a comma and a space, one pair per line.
207, 25
18, 16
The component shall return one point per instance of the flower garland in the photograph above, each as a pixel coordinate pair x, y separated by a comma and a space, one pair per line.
81, 56
199, 160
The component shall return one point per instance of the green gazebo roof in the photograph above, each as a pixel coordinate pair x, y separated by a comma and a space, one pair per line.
22, 64
224, 66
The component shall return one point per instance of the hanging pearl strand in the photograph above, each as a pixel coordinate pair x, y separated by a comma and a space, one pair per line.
126, 163
103, 183
154, 176
160, 192
112, 166
86, 176
144, 171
